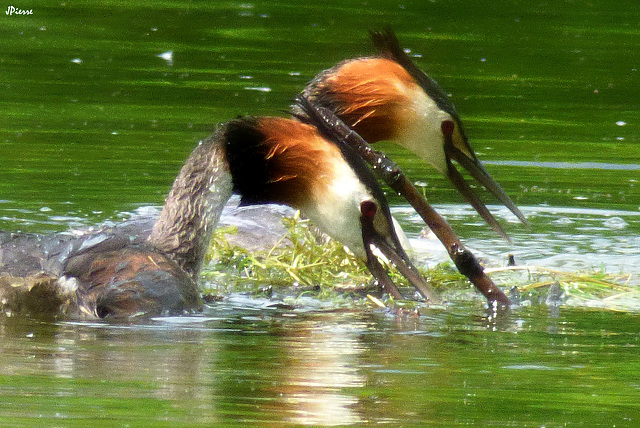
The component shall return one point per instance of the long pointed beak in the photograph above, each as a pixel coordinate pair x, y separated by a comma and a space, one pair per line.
478, 172
388, 45
400, 260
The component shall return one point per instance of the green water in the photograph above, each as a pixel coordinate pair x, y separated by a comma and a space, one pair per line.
94, 124
240, 366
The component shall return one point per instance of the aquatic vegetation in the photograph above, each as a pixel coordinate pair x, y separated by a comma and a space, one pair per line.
305, 261
539, 285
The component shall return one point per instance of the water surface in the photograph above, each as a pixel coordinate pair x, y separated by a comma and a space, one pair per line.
255, 366
101, 101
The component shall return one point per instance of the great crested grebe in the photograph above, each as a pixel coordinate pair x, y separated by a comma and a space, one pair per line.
388, 97
274, 160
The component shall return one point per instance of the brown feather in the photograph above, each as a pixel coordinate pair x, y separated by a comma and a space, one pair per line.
300, 161
372, 95
133, 281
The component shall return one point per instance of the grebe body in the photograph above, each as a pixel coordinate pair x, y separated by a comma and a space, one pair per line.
119, 274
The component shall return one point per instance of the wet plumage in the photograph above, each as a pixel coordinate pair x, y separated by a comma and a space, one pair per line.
126, 272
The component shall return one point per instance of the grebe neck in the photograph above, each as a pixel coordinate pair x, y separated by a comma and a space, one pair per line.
192, 210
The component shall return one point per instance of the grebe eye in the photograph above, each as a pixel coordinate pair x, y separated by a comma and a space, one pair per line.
447, 127
368, 209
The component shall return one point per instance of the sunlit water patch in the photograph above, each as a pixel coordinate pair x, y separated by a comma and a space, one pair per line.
571, 239
569, 165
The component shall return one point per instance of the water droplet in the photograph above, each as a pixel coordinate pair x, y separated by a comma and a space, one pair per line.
616, 223
167, 56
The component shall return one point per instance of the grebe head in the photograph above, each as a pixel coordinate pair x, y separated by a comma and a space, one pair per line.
286, 161
389, 98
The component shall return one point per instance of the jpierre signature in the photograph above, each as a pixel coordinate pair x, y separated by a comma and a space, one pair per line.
12, 10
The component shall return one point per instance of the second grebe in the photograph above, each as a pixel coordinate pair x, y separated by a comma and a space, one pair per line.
388, 97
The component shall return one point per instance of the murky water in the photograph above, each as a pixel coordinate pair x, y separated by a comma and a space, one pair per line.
101, 101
